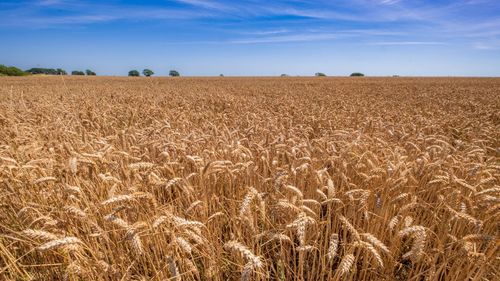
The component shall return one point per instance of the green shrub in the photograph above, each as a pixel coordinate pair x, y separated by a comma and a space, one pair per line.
90, 72
11, 71
357, 74
134, 73
320, 74
47, 71
77, 72
174, 73
147, 72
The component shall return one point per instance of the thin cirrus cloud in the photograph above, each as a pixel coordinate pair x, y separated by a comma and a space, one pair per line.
286, 38
71, 13
388, 2
49, 2
266, 32
207, 5
492, 45
402, 43
194, 9
358, 11
421, 23
422, 19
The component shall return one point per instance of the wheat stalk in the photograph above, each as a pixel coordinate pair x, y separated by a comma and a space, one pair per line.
58, 243
346, 264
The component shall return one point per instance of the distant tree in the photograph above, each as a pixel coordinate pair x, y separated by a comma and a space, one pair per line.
46, 71
134, 73
221, 75
284, 75
357, 74
77, 72
61, 71
34, 71
11, 71
174, 73
147, 72
90, 72
318, 74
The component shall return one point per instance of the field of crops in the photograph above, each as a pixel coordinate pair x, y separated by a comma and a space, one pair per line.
249, 178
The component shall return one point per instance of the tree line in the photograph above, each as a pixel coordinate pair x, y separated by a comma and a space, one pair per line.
11, 71
59, 71
148, 73
14, 71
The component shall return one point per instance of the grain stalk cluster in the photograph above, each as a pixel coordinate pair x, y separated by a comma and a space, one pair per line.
250, 179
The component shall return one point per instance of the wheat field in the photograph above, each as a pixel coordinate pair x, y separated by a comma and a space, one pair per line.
249, 178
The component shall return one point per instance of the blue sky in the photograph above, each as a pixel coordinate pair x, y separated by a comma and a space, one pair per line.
254, 37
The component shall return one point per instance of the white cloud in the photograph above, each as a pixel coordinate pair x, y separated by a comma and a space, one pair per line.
50, 2
397, 22
206, 4
395, 43
388, 2
485, 46
287, 38
266, 32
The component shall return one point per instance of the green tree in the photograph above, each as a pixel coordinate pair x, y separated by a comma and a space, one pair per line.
174, 73
147, 72
46, 71
357, 74
11, 71
61, 71
320, 74
77, 72
90, 72
134, 73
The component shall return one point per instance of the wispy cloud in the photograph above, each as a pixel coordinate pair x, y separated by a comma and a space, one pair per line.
286, 38
396, 43
50, 2
388, 2
207, 4
266, 32
343, 10
83, 14
486, 46
385, 22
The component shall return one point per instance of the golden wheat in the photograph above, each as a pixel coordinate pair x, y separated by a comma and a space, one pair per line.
249, 178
